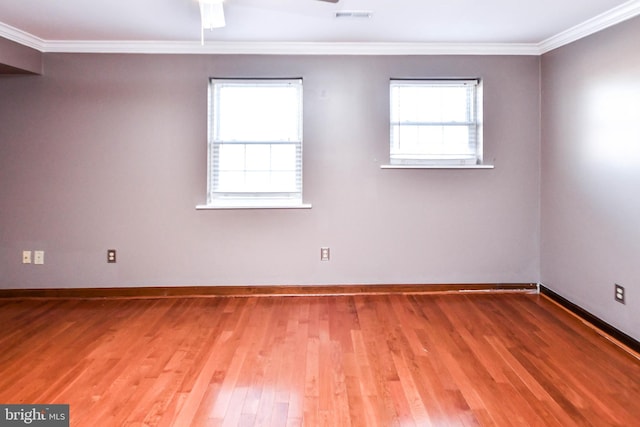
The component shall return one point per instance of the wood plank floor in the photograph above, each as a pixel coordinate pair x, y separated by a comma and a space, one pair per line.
502, 359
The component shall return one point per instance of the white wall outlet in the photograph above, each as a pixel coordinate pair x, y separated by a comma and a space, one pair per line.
324, 254
26, 257
38, 257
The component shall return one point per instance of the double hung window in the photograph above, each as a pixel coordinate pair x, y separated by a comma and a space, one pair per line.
255, 143
435, 122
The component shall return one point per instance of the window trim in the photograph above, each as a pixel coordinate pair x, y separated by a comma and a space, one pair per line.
443, 166
251, 199
461, 162
264, 205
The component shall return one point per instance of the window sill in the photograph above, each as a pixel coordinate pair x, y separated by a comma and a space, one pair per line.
436, 166
256, 206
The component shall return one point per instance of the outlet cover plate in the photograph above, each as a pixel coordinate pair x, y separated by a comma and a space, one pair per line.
38, 257
619, 293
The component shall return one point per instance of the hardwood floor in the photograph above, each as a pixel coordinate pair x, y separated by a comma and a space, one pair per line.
502, 359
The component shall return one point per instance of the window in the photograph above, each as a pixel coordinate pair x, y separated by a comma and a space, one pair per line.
435, 122
255, 143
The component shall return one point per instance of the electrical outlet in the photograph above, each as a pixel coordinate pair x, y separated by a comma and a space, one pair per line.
38, 257
324, 254
26, 257
619, 293
111, 256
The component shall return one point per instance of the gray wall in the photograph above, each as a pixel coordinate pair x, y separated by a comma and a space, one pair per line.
591, 173
109, 151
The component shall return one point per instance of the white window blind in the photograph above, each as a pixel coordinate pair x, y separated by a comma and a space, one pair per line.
435, 122
255, 142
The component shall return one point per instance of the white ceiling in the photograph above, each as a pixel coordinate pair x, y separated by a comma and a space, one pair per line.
47, 24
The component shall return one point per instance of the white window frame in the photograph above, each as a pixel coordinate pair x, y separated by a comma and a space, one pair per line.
472, 157
252, 196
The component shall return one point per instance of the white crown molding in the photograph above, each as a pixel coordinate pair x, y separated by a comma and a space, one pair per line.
605, 20
612, 17
292, 48
10, 33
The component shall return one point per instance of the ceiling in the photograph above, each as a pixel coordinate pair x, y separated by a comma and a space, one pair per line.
65, 24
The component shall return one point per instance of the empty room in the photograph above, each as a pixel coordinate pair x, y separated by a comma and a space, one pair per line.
319, 213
